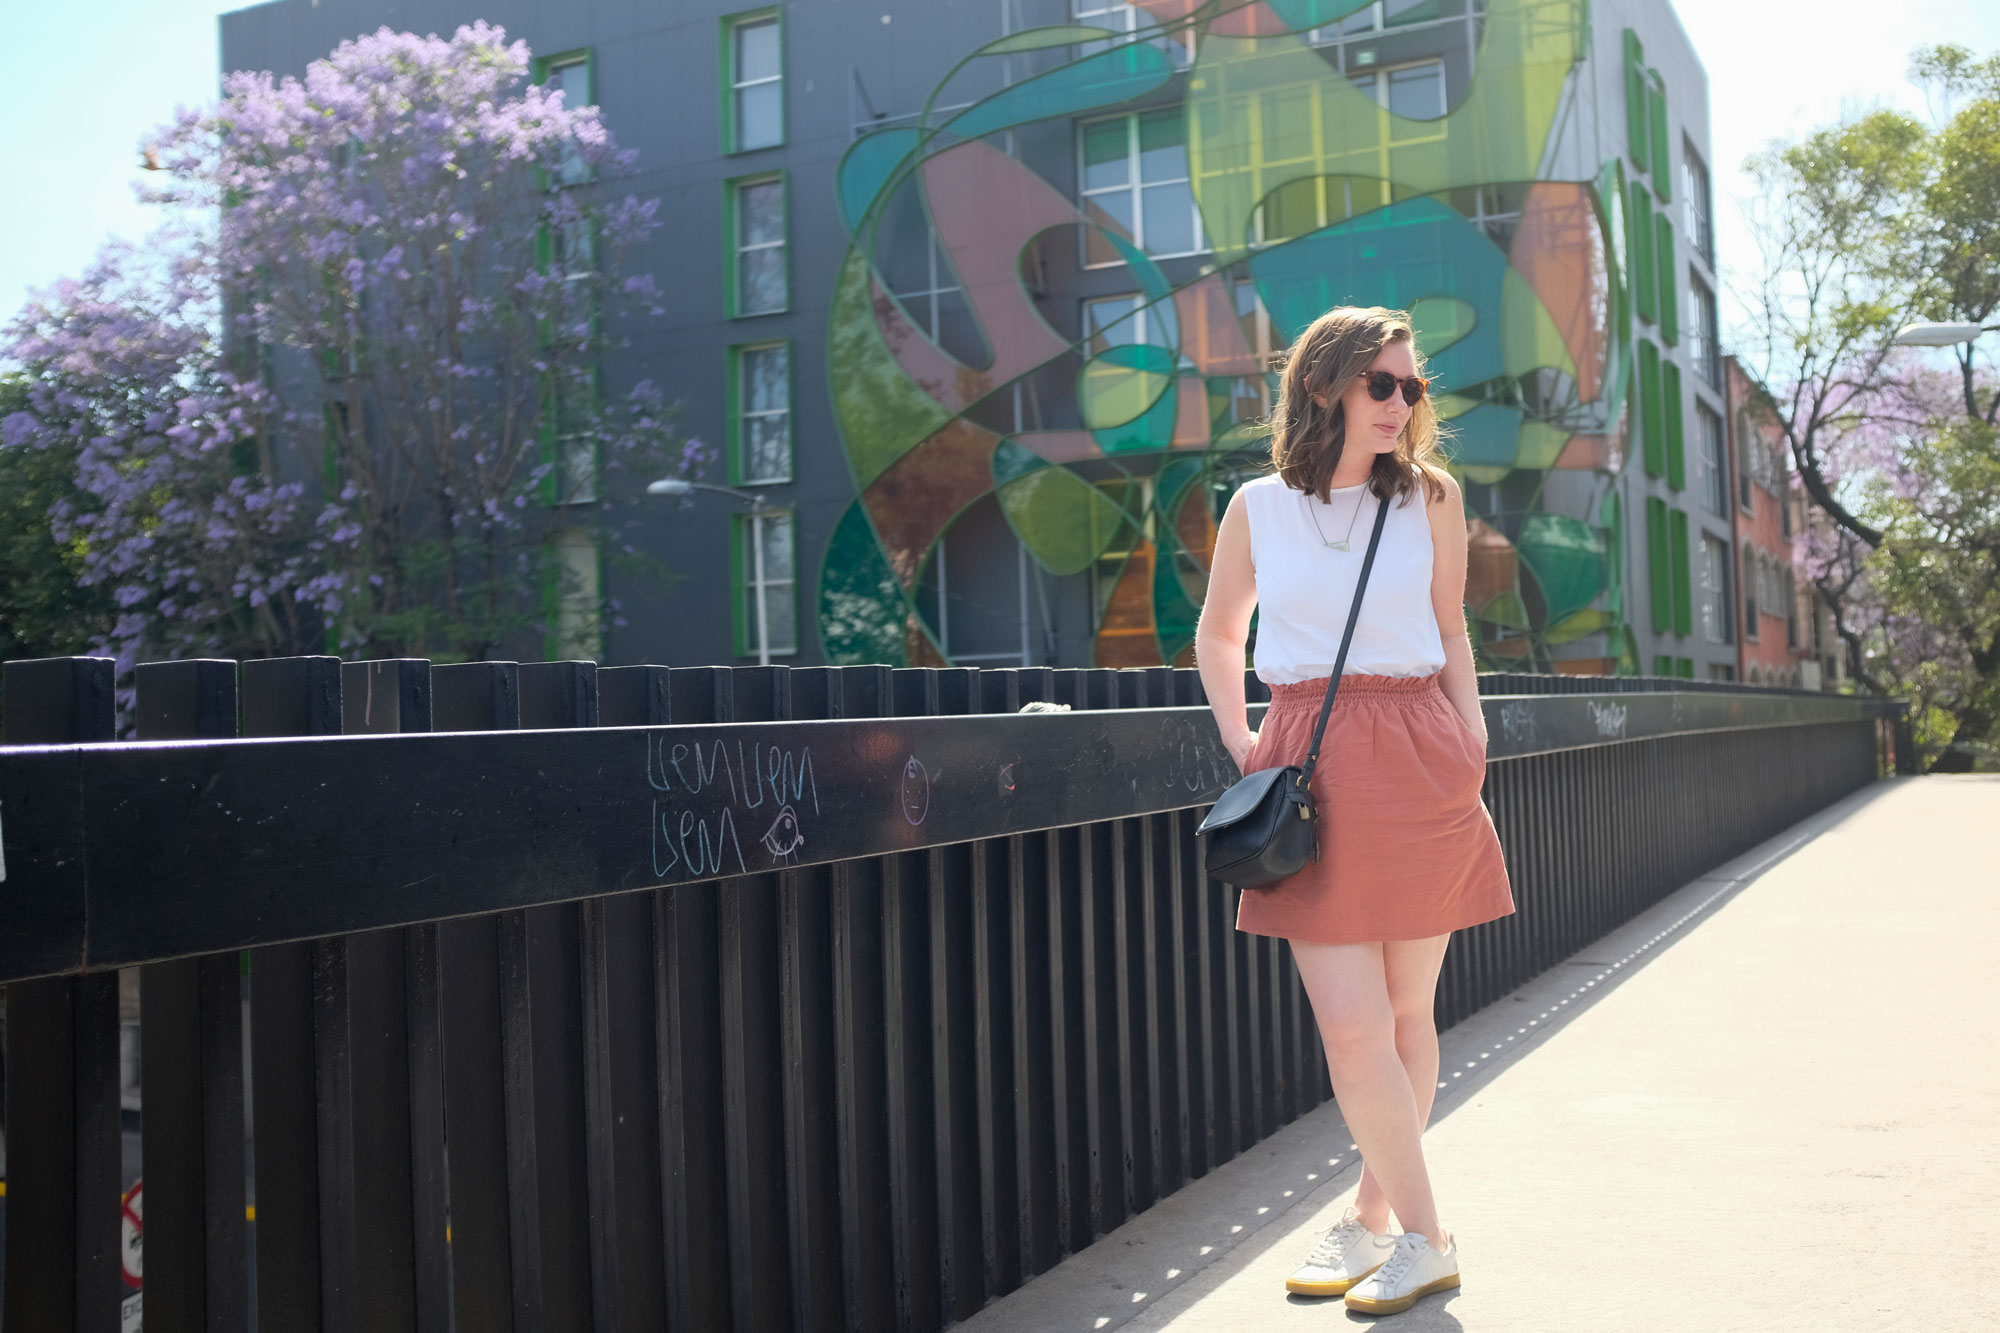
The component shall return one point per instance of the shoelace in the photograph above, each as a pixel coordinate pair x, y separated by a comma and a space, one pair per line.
1399, 1262
1337, 1242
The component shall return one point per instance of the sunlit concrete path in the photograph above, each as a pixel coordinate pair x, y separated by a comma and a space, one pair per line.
1773, 1102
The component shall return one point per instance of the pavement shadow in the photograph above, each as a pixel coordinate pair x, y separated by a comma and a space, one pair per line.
1156, 1269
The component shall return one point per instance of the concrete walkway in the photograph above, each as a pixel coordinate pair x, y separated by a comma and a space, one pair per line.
1747, 1110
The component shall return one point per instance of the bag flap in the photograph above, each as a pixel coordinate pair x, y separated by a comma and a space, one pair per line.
1245, 796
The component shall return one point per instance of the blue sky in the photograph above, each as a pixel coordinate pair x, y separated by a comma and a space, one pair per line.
93, 76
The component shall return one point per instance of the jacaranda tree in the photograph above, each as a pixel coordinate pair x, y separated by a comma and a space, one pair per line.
351, 393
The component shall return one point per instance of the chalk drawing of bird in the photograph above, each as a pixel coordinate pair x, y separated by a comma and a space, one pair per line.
783, 839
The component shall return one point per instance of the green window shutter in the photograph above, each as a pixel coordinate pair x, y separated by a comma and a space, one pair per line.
1670, 403
1639, 226
1652, 421
1658, 571
1663, 665
740, 591
733, 409
1684, 668
1683, 584
1638, 136
1656, 113
545, 434
1665, 263
729, 299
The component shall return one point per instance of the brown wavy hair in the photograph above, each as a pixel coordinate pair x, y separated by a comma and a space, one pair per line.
1307, 440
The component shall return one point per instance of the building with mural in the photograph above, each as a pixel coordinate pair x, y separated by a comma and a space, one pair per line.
982, 297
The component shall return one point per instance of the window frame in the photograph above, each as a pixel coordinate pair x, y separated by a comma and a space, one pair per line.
734, 386
745, 527
1704, 334
1697, 203
1715, 460
730, 86
732, 217
1135, 185
1179, 45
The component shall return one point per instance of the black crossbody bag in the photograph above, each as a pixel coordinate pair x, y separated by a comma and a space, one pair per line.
1265, 826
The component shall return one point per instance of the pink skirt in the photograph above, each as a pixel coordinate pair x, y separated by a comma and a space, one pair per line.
1406, 848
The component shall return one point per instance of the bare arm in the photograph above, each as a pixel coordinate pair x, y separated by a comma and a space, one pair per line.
1448, 544
1224, 629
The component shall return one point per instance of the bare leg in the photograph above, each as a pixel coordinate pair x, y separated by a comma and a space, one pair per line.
1411, 968
1348, 985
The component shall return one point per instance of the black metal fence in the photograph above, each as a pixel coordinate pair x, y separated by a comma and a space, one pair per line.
746, 998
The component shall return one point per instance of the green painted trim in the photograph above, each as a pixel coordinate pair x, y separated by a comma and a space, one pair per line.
1639, 232
1658, 571
1652, 420
739, 590
1656, 113
1677, 528
1638, 138
1676, 445
732, 307
732, 391
543, 64
730, 22
1668, 266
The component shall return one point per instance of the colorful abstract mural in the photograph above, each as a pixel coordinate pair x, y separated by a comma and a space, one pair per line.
1310, 185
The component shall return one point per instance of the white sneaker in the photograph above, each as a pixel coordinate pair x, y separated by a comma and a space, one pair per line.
1412, 1271
1344, 1255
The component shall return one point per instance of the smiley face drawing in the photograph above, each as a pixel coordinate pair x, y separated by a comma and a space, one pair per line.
783, 839
916, 791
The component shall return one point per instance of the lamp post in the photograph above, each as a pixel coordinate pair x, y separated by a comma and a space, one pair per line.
678, 486
1939, 335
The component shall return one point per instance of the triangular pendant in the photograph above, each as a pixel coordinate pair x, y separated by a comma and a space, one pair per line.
1338, 546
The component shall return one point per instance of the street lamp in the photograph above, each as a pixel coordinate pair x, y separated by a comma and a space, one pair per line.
1939, 335
678, 486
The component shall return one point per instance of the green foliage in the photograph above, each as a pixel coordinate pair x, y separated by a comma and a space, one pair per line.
43, 611
1867, 225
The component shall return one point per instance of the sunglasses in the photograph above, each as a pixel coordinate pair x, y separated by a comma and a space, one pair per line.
1381, 384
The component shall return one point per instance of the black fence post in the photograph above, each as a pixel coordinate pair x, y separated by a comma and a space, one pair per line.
296, 696
64, 1177
191, 1062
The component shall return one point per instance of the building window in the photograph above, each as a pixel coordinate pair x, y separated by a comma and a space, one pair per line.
570, 438
571, 73
1791, 589
1120, 16
1697, 210
575, 598
1746, 450
759, 284
1703, 339
1715, 600
1250, 395
760, 433
1414, 91
754, 56
1715, 467
772, 531
1116, 321
1135, 179
1751, 583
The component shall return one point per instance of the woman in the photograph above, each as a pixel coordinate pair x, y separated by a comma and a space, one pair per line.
1407, 851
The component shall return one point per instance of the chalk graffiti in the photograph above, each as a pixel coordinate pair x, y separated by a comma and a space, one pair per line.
915, 791
685, 843
1199, 762
783, 839
1610, 718
1517, 723
701, 787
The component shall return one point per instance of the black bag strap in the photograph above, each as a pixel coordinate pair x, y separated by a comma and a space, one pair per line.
1346, 637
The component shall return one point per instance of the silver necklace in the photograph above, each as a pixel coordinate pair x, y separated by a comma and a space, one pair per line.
1313, 514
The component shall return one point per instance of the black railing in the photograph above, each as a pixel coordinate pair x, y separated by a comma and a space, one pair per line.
754, 998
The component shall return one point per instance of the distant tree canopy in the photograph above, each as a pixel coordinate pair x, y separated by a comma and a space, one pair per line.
347, 392
1866, 226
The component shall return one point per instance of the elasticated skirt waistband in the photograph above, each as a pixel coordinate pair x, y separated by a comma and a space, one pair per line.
1357, 687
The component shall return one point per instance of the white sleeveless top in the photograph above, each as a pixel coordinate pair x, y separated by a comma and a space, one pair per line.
1304, 587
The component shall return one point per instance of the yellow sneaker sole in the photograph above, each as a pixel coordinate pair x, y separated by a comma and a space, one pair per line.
1369, 1305
1338, 1287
